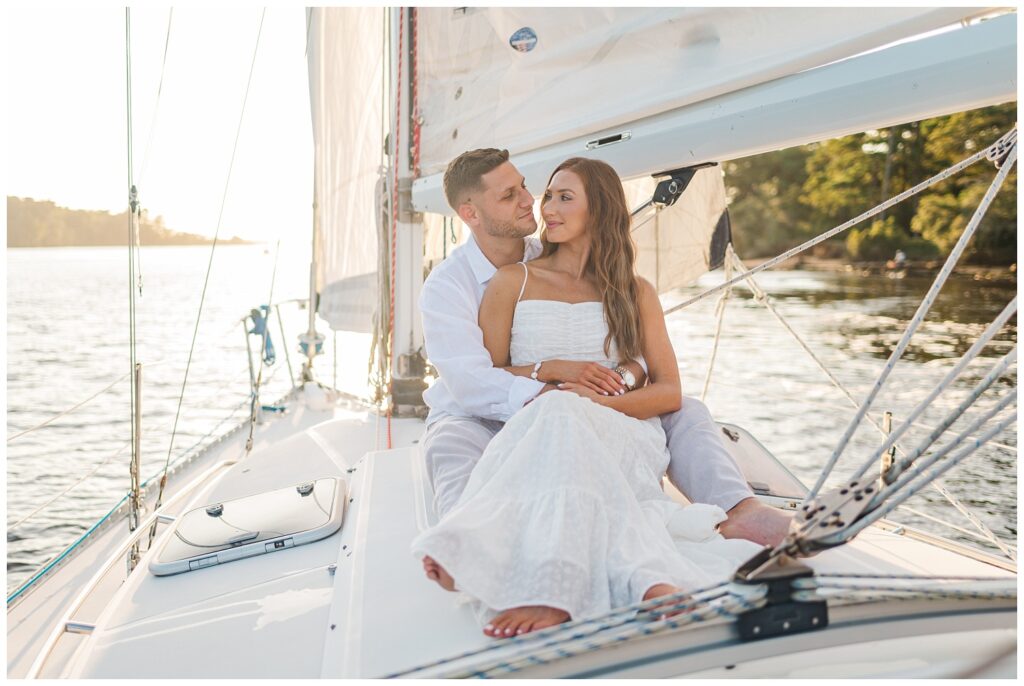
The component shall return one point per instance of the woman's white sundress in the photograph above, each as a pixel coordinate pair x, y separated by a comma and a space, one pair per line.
565, 507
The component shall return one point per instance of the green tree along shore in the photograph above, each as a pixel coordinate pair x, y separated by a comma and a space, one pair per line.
44, 224
780, 199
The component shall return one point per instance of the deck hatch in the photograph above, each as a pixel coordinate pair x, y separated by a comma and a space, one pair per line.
267, 522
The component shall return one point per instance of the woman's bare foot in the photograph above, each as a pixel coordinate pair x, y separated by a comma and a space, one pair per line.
753, 520
436, 572
658, 590
522, 620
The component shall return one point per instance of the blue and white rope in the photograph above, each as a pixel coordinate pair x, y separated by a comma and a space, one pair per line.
583, 628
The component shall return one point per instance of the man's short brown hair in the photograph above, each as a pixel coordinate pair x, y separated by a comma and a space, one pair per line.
464, 173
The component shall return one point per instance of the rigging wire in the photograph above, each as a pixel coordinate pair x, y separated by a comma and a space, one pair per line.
133, 201
67, 490
768, 264
723, 300
922, 310
68, 411
209, 266
156, 107
762, 297
254, 411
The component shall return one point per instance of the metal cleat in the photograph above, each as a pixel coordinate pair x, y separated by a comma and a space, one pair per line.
781, 614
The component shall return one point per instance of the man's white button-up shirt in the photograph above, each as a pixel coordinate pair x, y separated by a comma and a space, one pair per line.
469, 385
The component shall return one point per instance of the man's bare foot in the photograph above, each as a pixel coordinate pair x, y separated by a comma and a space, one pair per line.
658, 590
753, 520
436, 572
522, 620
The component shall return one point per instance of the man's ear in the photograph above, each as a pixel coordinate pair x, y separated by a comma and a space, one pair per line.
468, 214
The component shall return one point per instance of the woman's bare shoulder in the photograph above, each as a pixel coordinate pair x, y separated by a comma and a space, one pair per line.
645, 288
508, 279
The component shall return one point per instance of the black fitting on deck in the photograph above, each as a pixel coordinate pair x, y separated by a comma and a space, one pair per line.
781, 615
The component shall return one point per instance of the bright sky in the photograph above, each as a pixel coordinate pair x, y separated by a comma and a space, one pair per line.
66, 114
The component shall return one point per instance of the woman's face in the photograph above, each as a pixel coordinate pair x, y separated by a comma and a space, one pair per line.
564, 208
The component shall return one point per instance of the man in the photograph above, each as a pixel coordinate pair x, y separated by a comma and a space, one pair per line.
472, 399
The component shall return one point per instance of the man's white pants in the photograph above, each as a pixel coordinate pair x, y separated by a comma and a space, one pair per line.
701, 466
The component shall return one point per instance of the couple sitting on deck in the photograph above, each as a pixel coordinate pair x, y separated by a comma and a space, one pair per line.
558, 410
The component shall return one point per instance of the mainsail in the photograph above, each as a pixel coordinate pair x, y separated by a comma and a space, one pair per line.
656, 89
533, 76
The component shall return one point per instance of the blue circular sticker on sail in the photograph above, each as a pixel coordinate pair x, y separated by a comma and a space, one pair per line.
523, 40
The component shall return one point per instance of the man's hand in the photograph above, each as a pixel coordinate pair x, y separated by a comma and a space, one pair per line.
590, 375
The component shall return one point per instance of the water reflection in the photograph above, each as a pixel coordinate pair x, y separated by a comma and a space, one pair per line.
765, 382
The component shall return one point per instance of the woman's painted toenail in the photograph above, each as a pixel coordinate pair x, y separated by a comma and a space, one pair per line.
489, 627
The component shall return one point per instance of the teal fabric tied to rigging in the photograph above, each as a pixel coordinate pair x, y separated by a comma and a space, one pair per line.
260, 317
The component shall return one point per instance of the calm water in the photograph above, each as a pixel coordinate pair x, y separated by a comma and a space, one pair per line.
67, 338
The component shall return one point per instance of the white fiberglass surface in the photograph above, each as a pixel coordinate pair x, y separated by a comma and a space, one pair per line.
291, 614
261, 616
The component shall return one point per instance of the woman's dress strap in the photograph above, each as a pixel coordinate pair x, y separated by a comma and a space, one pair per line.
526, 275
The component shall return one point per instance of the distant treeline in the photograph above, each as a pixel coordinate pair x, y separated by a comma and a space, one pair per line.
780, 199
43, 224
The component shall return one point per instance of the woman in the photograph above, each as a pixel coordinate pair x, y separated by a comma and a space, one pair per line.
564, 516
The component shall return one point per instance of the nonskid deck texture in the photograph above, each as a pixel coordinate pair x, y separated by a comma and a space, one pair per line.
356, 603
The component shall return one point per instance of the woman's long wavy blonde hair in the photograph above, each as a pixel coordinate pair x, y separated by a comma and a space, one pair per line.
612, 259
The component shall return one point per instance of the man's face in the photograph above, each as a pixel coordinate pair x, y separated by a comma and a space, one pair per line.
504, 206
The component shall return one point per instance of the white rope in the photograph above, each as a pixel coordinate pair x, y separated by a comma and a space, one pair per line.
947, 380
726, 608
922, 310
894, 498
761, 296
938, 178
997, 371
572, 630
722, 302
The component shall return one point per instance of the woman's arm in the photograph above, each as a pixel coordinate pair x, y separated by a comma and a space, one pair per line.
593, 375
497, 310
663, 392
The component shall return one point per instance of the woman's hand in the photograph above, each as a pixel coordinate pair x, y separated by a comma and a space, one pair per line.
580, 390
591, 375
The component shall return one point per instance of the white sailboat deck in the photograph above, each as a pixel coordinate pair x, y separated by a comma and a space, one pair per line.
355, 603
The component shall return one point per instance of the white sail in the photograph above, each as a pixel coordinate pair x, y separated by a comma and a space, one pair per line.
522, 78
683, 241
662, 105
345, 83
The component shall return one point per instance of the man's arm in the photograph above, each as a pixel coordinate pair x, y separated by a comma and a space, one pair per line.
455, 347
